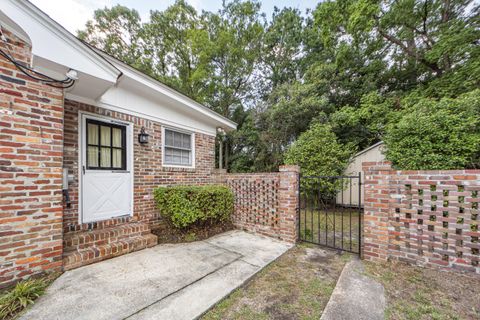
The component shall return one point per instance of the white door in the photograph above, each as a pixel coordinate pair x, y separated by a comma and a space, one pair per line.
106, 169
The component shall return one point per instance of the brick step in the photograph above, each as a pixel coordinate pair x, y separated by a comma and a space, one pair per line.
82, 257
84, 239
103, 224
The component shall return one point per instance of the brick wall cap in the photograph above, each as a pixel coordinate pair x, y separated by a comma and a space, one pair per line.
289, 168
376, 163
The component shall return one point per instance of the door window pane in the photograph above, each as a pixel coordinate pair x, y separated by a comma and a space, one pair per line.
105, 158
116, 137
92, 156
105, 135
92, 133
117, 158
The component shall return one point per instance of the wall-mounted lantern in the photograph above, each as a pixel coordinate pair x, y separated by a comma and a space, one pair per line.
142, 136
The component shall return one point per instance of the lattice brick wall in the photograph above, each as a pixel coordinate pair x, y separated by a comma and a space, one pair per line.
433, 216
266, 203
256, 201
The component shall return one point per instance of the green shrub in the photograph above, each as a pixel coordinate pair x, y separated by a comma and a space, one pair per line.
434, 135
22, 295
318, 153
185, 206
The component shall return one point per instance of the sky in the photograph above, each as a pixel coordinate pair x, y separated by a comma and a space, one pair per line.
72, 14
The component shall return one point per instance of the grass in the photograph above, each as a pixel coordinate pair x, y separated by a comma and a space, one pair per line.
420, 293
23, 294
296, 286
318, 225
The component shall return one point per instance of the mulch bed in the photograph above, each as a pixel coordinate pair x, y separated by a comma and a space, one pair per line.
169, 234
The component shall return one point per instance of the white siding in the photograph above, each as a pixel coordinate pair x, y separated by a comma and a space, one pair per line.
350, 195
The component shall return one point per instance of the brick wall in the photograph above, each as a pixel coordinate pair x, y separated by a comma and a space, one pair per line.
148, 170
428, 218
31, 150
266, 203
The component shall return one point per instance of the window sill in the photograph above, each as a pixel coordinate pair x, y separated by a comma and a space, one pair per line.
174, 168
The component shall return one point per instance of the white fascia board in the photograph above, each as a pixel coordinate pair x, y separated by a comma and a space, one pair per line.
51, 41
145, 80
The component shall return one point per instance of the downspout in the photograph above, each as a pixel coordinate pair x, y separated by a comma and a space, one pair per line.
220, 154
221, 135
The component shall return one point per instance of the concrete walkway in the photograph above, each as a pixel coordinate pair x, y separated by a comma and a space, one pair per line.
179, 281
356, 296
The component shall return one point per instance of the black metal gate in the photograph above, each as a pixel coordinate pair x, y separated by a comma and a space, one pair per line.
331, 211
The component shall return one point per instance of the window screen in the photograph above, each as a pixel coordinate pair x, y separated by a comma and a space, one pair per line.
106, 146
178, 148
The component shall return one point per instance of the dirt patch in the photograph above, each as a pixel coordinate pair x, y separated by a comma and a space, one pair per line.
296, 286
318, 256
169, 234
420, 293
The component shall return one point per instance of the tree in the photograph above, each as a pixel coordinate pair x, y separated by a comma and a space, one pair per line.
177, 40
437, 134
420, 40
247, 149
235, 37
318, 153
117, 31
282, 47
292, 108
342, 69
366, 124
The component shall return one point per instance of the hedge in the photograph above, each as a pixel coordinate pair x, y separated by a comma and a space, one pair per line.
436, 135
185, 206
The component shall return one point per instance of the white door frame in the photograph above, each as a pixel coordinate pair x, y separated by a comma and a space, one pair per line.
82, 115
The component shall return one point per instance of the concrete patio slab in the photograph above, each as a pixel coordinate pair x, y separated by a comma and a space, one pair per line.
356, 296
178, 281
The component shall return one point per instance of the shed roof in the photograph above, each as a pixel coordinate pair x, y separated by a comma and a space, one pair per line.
368, 148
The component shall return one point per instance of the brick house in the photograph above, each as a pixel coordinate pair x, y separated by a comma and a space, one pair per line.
75, 182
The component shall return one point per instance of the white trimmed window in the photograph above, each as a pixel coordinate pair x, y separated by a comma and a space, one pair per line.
178, 148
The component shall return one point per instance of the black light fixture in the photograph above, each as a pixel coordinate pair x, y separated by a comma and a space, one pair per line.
142, 136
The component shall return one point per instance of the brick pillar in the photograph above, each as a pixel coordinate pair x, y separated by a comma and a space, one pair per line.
219, 176
288, 198
377, 183
31, 158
